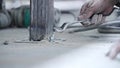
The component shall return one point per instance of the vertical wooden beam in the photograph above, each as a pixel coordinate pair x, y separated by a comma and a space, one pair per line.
42, 19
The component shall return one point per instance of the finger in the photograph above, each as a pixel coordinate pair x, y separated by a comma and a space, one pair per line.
101, 19
87, 11
94, 19
90, 12
84, 7
85, 15
86, 23
108, 53
113, 54
98, 19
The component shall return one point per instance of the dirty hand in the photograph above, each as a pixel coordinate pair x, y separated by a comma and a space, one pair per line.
100, 8
114, 51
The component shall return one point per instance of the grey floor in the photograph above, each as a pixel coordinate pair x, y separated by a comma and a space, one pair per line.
85, 45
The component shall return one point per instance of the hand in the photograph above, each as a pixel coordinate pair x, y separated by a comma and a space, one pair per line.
114, 51
100, 8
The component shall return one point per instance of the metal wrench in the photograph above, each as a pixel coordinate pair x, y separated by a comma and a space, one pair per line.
67, 24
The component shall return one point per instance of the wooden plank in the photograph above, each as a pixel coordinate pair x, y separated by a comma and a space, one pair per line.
42, 19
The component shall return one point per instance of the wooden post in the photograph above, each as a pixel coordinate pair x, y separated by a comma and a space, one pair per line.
42, 19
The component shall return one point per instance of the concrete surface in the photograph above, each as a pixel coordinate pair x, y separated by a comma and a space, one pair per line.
79, 50
90, 56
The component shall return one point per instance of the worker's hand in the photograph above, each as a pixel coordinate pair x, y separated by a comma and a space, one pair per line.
96, 20
96, 7
114, 51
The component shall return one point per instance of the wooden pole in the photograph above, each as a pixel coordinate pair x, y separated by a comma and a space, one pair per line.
42, 19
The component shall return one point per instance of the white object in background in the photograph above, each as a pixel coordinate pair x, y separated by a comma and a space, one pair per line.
12, 4
16, 3
68, 5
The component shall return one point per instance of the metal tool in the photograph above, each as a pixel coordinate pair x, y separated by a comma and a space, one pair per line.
67, 24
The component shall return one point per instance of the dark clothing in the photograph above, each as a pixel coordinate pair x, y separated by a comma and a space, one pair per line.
118, 4
1, 1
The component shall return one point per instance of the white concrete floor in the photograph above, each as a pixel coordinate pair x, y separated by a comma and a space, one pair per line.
84, 49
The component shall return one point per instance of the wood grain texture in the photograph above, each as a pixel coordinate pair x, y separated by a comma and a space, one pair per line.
42, 19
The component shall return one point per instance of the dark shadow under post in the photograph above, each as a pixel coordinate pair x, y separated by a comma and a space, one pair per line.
42, 19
